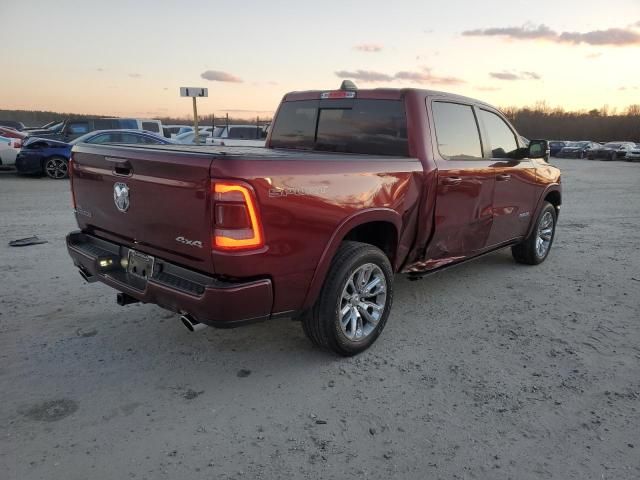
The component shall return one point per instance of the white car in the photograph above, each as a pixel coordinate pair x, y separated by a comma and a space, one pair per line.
187, 137
175, 130
633, 155
8, 151
238, 136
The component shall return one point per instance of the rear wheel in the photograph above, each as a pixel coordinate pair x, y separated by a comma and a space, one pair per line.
535, 248
56, 168
355, 301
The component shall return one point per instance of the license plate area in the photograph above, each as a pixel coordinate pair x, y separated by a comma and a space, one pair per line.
140, 265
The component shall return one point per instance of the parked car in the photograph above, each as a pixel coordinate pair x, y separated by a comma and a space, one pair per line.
314, 227
43, 127
71, 129
240, 132
238, 135
611, 151
189, 137
8, 151
633, 155
56, 128
555, 146
50, 157
175, 130
577, 149
149, 125
13, 124
11, 133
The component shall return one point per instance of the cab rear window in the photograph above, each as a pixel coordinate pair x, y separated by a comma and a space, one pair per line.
377, 127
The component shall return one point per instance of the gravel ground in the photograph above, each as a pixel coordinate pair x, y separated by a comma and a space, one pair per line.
491, 370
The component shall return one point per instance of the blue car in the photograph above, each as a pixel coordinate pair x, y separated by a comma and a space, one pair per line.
42, 156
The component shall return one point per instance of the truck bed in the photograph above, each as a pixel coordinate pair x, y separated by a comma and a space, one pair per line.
244, 152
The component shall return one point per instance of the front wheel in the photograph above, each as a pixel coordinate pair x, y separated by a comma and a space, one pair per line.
535, 248
355, 301
56, 168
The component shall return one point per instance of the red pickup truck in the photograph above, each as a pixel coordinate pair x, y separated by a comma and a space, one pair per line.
353, 187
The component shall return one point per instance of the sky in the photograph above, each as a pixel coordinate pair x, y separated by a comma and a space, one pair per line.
127, 58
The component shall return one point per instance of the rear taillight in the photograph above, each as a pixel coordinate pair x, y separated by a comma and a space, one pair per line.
70, 171
236, 219
17, 143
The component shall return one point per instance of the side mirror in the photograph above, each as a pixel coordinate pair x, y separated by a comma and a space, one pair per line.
539, 149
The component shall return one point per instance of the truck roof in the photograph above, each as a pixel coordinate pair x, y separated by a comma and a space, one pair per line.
382, 94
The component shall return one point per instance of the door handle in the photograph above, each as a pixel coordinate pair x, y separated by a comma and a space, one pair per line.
451, 181
503, 177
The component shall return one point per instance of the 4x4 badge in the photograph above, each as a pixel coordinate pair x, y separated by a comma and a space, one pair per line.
121, 196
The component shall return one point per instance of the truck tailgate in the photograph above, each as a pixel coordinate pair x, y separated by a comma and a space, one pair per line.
168, 212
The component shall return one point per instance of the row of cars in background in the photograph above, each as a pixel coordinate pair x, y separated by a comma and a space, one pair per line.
46, 150
629, 151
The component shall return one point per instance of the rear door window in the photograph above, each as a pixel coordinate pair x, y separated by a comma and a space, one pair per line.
457, 132
376, 127
501, 137
132, 138
104, 138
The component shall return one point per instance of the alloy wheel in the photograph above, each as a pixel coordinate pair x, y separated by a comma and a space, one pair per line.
362, 302
545, 234
56, 168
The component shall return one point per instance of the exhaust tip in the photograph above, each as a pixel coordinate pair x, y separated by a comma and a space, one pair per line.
191, 323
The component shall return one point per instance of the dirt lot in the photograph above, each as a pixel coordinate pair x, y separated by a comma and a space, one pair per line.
491, 370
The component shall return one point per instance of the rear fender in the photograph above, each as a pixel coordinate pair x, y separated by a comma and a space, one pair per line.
358, 218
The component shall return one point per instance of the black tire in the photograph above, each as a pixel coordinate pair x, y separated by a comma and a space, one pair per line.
528, 252
56, 168
323, 324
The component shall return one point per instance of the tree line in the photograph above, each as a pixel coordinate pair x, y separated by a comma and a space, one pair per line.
599, 125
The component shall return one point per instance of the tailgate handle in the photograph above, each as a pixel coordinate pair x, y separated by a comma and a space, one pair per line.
121, 166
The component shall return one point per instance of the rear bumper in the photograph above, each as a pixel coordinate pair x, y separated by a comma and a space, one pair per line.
211, 301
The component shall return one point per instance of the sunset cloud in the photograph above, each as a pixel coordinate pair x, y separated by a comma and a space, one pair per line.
422, 76
426, 76
611, 36
218, 76
364, 75
518, 33
511, 76
368, 47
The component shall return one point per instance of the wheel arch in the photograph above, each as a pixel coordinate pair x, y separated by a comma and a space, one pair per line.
551, 194
379, 227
